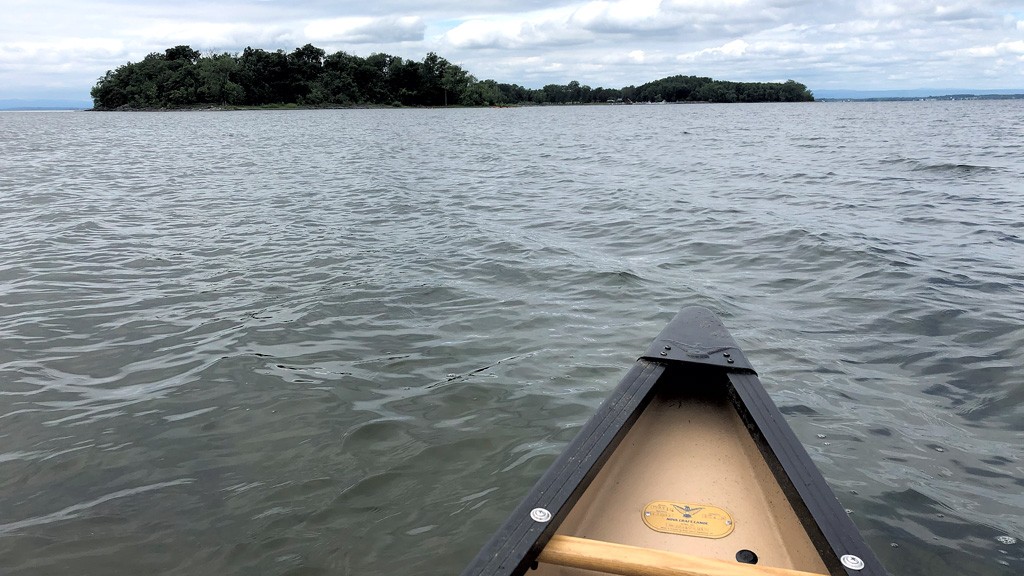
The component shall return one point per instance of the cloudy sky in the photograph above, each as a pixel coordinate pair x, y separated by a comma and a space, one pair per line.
58, 48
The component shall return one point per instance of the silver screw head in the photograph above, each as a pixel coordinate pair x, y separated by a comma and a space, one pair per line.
852, 562
540, 515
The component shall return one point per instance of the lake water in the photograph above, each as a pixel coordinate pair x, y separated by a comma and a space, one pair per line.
349, 341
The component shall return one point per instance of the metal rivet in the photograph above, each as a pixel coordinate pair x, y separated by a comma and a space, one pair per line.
540, 514
852, 562
730, 360
668, 347
726, 354
663, 353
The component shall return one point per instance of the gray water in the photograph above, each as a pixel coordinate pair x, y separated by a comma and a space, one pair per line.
348, 342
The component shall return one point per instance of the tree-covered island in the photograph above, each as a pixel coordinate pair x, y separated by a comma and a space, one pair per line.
181, 77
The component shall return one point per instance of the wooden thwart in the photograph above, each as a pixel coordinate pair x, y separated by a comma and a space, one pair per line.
626, 560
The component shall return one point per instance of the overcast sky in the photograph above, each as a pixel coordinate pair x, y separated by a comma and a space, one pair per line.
58, 48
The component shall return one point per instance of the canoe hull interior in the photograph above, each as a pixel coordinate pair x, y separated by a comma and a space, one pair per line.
691, 450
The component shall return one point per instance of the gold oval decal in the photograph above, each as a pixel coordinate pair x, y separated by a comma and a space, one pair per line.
700, 520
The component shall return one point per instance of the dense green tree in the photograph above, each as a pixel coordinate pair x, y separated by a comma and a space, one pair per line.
304, 68
456, 84
217, 75
264, 76
373, 77
793, 91
484, 93
181, 54
405, 81
337, 78
181, 76
441, 81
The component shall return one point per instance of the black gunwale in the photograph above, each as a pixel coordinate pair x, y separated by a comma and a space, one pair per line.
694, 339
823, 517
520, 539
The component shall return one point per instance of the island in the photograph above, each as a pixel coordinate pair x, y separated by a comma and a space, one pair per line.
308, 77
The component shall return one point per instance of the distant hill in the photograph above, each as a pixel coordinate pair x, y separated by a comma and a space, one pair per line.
44, 104
900, 94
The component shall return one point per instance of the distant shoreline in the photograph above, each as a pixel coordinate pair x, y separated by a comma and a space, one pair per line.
945, 97
237, 108
233, 108
271, 107
45, 109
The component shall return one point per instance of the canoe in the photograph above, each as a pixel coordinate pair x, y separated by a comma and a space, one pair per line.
688, 468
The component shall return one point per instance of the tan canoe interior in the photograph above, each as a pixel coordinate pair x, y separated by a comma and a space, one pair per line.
691, 449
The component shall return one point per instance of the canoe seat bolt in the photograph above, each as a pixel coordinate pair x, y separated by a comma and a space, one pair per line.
746, 557
668, 347
726, 354
852, 562
730, 360
540, 515
663, 353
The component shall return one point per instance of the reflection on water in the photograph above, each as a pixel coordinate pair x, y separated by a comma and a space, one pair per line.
349, 341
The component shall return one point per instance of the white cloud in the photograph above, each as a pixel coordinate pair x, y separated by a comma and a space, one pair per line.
162, 34
366, 30
609, 21
883, 9
535, 30
730, 50
65, 67
58, 52
999, 49
704, 6
620, 17
960, 11
486, 34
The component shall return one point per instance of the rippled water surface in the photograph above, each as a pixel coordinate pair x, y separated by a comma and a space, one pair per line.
348, 342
